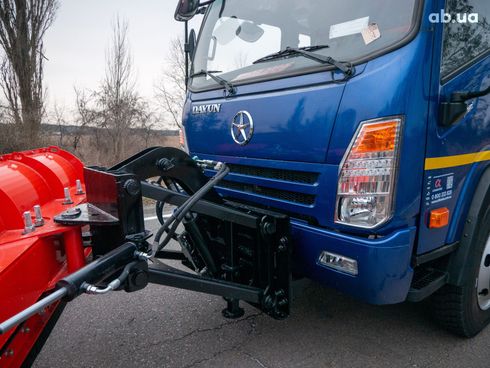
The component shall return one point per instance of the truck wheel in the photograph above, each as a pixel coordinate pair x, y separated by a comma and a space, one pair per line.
465, 310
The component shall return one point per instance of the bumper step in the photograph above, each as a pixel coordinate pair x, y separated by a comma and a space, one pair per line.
426, 282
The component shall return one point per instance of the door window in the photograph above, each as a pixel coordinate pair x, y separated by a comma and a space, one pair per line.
466, 33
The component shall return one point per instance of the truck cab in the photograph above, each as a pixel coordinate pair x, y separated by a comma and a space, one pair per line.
368, 123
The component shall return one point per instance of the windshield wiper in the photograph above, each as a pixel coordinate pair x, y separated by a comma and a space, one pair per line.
346, 68
289, 51
230, 88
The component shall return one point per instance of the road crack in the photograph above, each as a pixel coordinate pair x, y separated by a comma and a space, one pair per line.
235, 347
256, 360
210, 329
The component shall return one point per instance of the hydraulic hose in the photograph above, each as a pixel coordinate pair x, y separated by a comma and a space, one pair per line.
177, 217
159, 207
180, 213
113, 285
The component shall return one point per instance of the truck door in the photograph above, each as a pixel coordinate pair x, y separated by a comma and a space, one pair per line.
456, 155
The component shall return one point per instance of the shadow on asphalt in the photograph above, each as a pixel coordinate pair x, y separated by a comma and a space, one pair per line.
163, 327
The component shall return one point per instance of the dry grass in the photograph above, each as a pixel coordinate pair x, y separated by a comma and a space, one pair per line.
88, 151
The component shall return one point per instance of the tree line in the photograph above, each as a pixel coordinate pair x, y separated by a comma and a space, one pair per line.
114, 108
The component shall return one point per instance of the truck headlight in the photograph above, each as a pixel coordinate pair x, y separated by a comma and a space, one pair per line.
367, 174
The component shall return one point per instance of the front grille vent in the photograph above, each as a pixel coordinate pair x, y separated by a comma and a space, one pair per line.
277, 174
300, 198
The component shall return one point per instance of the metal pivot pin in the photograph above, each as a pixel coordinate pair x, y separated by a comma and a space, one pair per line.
79, 188
28, 225
68, 199
39, 220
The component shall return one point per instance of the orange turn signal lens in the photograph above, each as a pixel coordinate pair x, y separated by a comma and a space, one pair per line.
380, 137
439, 218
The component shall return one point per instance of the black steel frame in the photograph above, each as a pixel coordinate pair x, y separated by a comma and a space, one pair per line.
273, 301
165, 275
270, 229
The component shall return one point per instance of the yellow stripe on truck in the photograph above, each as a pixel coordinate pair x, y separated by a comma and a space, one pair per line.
454, 161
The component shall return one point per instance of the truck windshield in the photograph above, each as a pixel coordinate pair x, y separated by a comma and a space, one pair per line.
237, 33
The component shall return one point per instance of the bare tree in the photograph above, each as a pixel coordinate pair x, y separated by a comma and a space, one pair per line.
119, 99
116, 107
147, 126
23, 24
171, 90
58, 116
9, 135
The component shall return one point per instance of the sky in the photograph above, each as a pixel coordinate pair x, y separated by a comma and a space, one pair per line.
76, 44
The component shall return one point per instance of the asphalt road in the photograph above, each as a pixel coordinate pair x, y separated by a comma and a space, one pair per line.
165, 327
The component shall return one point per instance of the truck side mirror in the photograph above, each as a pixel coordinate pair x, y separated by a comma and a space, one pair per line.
452, 111
186, 9
190, 46
457, 107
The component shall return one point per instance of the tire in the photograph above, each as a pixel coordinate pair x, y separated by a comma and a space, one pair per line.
465, 310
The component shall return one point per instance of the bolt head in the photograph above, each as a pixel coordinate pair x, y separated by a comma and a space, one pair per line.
132, 187
72, 213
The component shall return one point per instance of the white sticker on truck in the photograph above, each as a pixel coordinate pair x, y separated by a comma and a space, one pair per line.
439, 189
349, 28
371, 33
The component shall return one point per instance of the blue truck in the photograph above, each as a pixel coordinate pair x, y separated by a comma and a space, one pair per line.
368, 123
342, 141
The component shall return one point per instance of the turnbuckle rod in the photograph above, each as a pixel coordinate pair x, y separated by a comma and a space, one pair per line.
33, 310
71, 286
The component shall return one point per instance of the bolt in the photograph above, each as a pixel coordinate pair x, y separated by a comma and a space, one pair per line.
283, 302
283, 245
79, 188
132, 187
68, 199
72, 213
26, 330
28, 225
269, 228
165, 164
39, 221
268, 303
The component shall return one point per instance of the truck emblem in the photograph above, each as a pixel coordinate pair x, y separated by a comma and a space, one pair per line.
206, 109
242, 128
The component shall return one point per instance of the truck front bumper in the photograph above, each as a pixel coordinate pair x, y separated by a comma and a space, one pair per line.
384, 270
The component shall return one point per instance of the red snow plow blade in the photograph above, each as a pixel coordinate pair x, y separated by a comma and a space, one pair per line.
35, 253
